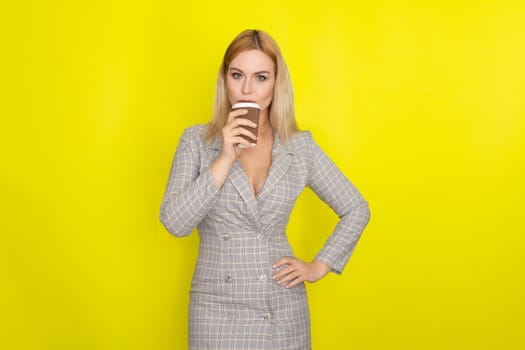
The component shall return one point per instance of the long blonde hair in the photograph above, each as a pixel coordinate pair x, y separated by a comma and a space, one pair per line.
281, 111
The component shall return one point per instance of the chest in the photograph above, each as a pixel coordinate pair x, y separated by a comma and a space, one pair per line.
259, 191
256, 164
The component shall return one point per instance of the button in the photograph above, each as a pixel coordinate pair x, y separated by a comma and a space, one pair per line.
225, 236
267, 316
258, 236
263, 278
228, 279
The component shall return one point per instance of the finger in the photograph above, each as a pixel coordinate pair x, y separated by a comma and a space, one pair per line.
240, 127
284, 272
242, 119
245, 137
295, 282
244, 126
289, 267
243, 143
283, 261
280, 275
240, 122
245, 132
289, 277
238, 135
235, 113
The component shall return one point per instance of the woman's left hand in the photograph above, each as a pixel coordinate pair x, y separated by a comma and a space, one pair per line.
298, 271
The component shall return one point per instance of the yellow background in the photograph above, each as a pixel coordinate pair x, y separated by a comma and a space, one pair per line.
420, 103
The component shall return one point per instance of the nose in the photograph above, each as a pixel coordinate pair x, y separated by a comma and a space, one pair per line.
247, 86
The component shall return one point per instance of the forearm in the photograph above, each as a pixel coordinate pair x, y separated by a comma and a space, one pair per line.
332, 186
220, 169
342, 242
183, 209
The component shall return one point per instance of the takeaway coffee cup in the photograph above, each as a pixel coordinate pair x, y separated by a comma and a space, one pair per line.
253, 115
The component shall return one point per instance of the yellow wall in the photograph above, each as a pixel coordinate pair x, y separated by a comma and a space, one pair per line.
420, 103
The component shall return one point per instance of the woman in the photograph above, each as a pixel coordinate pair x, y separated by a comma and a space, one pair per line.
247, 290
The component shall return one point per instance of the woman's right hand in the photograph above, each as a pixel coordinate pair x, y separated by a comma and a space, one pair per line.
232, 145
232, 142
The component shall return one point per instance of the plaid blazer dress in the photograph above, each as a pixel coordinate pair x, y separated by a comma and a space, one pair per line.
234, 304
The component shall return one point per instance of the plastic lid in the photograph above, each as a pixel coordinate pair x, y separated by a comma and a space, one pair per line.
246, 105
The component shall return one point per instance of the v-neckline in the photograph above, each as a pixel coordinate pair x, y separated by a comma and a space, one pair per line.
281, 159
247, 178
274, 171
255, 161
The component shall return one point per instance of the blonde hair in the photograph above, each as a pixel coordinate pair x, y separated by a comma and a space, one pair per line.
281, 111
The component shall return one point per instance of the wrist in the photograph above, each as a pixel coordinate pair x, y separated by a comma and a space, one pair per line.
226, 158
322, 267
220, 169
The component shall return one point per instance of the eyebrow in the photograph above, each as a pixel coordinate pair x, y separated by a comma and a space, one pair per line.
259, 72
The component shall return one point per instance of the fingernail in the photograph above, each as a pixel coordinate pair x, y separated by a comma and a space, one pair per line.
253, 144
254, 125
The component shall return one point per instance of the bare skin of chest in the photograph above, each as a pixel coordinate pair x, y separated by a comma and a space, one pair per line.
256, 163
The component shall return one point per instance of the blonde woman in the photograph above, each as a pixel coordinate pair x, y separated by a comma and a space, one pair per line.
248, 288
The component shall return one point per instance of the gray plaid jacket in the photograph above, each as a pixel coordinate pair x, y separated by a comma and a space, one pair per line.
234, 303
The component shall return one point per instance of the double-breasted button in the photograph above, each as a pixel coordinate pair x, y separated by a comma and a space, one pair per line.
228, 279
263, 278
267, 316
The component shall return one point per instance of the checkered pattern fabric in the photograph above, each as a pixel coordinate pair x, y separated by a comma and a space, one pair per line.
234, 303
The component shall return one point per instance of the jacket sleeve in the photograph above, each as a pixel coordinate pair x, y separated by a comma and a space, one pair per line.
332, 186
189, 193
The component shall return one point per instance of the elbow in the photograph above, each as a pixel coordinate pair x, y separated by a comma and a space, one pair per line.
359, 213
173, 225
364, 210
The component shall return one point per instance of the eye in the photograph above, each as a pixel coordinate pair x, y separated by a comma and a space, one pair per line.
236, 75
261, 77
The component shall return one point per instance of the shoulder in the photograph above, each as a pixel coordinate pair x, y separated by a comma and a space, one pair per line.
301, 137
194, 135
301, 141
302, 146
194, 132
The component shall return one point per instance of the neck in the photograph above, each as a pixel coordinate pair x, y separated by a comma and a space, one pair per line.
264, 122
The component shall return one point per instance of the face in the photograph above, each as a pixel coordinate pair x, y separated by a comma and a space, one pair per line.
251, 78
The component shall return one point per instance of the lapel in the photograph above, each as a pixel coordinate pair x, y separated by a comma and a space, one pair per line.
282, 157
237, 178
240, 181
